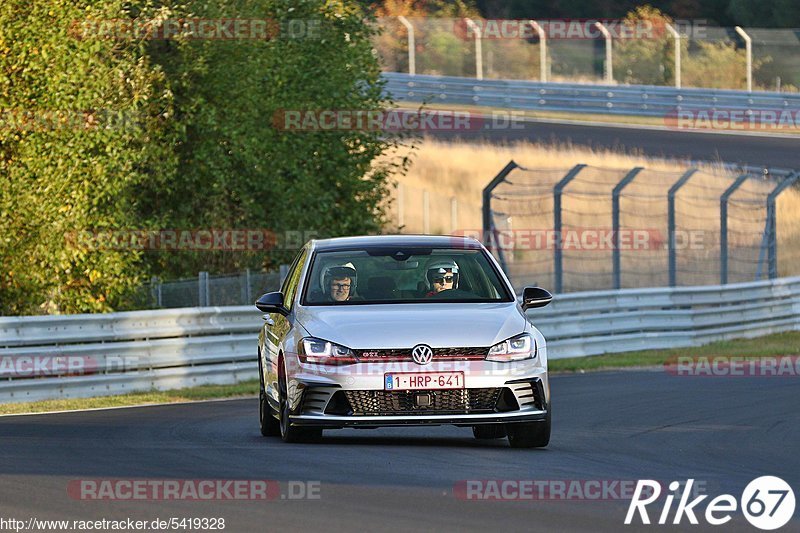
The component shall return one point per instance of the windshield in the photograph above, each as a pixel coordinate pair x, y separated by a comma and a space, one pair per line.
403, 275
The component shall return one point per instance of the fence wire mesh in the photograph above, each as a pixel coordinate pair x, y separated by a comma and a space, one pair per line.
711, 57
556, 228
205, 290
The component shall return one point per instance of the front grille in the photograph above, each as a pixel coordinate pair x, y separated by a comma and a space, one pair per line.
460, 352
460, 401
404, 354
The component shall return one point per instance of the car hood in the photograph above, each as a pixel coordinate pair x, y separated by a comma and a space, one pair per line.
405, 325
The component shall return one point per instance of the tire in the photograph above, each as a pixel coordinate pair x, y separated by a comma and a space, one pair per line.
288, 432
530, 434
270, 426
489, 431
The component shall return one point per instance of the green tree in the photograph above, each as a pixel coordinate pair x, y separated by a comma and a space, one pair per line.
237, 170
197, 149
710, 64
717, 65
649, 60
79, 134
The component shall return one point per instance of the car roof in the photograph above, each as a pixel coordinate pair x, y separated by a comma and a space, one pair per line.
380, 241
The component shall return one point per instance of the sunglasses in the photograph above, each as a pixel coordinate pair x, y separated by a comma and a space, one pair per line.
445, 279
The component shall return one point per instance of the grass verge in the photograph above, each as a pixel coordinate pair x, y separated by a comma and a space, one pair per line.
203, 392
779, 344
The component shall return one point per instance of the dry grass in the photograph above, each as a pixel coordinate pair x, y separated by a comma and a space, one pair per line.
460, 171
245, 389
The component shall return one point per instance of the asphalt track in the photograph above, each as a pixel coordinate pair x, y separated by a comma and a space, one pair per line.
722, 432
755, 150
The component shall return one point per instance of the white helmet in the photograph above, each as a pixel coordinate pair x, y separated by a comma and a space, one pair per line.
347, 270
441, 267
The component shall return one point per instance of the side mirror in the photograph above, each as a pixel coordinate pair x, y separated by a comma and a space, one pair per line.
272, 302
533, 297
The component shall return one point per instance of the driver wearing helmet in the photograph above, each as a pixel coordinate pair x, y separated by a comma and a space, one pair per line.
339, 282
442, 275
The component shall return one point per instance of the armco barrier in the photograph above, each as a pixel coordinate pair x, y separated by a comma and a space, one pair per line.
165, 349
592, 323
131, 351
636, 100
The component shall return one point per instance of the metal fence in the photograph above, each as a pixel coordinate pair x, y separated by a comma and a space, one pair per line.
115, 353
671, 104
589, 228
45, 357
683, 54
209, 290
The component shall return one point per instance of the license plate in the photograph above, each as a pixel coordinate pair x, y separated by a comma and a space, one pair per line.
423, 380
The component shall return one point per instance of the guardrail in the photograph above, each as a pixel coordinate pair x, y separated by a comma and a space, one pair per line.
636, 100
592, 323
165, 349
70, 356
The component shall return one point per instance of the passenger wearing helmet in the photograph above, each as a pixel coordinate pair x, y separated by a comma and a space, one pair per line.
339, 282
442, 275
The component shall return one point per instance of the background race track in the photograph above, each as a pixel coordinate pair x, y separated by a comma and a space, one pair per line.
607, 426
758, 150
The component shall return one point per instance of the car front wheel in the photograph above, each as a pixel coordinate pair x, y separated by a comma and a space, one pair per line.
530, 435
288, 432
270, 427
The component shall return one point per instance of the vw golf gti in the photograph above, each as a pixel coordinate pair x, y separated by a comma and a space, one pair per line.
394, 330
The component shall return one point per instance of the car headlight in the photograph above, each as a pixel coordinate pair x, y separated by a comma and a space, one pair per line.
313, 350
513, 349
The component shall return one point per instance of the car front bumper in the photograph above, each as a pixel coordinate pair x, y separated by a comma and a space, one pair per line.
337, 421
312, 388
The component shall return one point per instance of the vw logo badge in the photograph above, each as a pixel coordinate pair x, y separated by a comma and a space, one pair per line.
422, 354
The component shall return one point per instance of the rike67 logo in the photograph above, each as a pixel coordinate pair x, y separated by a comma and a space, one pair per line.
767, 503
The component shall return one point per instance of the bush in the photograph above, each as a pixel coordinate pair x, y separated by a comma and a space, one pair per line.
80, 135
199, 152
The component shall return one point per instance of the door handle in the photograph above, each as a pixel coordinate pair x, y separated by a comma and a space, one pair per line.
268, 321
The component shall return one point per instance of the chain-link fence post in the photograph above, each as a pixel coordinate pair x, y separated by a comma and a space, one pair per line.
615, 252
155, 291
558, 258
723, 227
671, 229
488, 220
202, 289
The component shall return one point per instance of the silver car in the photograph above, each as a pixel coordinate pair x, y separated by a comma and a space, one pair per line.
399, 330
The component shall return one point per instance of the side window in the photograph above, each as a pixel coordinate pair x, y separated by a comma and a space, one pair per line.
289, 288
